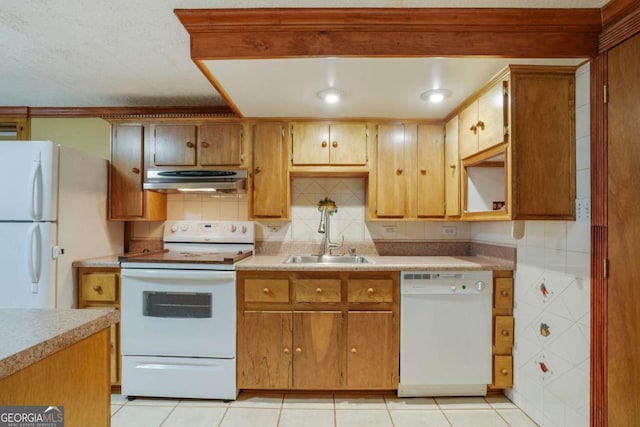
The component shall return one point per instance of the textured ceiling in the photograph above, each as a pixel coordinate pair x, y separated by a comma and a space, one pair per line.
79, 53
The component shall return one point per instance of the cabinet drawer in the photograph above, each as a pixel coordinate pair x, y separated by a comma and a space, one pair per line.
370, 290
317, 290
99, 286
503, 293
266, 290
503, 333
502, 371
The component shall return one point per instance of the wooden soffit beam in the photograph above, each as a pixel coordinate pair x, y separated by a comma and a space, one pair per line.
391, 32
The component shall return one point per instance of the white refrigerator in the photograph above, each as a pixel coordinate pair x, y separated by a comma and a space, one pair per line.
53, 211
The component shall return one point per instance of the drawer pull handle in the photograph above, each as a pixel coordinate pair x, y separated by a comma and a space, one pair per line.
266, 290
399, 171
258, 169
334, 144
504, 372
319, 290
286, 351
324, 144
298, 350
370, 291
423, 171
480, 125
354, 350
97, 289
452, 166
504, 293
505, 332
205, 144
135, 170
189, 144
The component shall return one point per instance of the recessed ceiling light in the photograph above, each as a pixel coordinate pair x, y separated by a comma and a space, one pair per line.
435, 95
330, 96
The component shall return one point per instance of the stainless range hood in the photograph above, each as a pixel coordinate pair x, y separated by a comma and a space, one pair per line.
196, 180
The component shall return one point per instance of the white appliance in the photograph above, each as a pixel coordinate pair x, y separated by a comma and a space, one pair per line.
53, 211
445, 333
178, 321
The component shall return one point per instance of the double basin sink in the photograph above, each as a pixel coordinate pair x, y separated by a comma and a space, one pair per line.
328, 259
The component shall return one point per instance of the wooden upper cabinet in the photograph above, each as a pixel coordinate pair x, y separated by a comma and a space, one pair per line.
174, 145
430, 176
452, 169
270, 185
127, 200
220, 144
329, 144
391, 185
483, 124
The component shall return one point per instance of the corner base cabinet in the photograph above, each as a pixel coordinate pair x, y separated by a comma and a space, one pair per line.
318, 330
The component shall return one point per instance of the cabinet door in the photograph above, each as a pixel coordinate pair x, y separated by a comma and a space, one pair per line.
318, 349
468, 130
371, 361
430, 171
220, 144
452, 169
492, 109
390, 180
348, 144
174, 145
269, 177
264, 350
126, 169
310, 143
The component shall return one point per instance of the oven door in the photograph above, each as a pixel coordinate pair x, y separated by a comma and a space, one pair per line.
188, 313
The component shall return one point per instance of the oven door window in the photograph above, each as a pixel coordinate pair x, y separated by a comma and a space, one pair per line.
177, 304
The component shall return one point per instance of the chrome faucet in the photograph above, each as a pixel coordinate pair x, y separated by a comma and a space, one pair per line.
325, 228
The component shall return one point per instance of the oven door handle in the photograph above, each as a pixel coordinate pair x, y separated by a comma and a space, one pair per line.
161, 275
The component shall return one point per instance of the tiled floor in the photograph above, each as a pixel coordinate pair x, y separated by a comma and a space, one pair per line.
318, 410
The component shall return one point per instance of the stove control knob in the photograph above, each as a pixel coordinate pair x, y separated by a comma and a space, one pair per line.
184, 227
232, 228
174, 228
480, 286
243, 229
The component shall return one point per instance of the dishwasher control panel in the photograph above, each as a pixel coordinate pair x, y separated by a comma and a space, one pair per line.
446, 282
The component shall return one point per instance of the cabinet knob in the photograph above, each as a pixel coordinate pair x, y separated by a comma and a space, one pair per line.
135, 170
205, 144
474, 129
505, 332
423, 171
334, 144
480, 125
97, 289
189, 144
286, 351
504, 371
354, 350
298, 350
324, 144
504, 293
370, 291
399, 171
258, 169
266, 290
452, 166
319, 290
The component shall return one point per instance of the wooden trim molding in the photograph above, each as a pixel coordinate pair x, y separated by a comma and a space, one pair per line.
617, 9
390, 32
131, 112
14, 112
619, 28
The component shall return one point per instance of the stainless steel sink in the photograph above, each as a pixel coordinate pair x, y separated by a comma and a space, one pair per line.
328, 259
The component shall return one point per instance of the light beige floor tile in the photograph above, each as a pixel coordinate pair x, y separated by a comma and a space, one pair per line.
359, 401
462, 403
418, 418
250, 417
516, 418
475, 418
500, 401
363, 418
140, 416
307, 418
394, 403
115, 408
194, 417
118, 399
153, 401
308, 401
203, 402
258, 400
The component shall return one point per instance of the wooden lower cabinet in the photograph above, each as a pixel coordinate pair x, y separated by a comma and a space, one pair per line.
319, 331
503, 330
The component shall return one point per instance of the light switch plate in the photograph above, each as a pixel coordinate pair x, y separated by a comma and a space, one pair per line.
583, 210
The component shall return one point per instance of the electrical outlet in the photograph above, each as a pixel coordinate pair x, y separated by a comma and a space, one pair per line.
583, 210
449, 231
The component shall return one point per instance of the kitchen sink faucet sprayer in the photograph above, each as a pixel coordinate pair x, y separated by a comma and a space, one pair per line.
327, 208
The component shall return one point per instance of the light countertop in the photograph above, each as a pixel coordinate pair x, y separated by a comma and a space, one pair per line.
30, 335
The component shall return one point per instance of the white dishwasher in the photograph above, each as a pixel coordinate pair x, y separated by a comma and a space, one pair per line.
445, 333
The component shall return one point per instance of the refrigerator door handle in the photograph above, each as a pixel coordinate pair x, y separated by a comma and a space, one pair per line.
36, 192
35, 259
